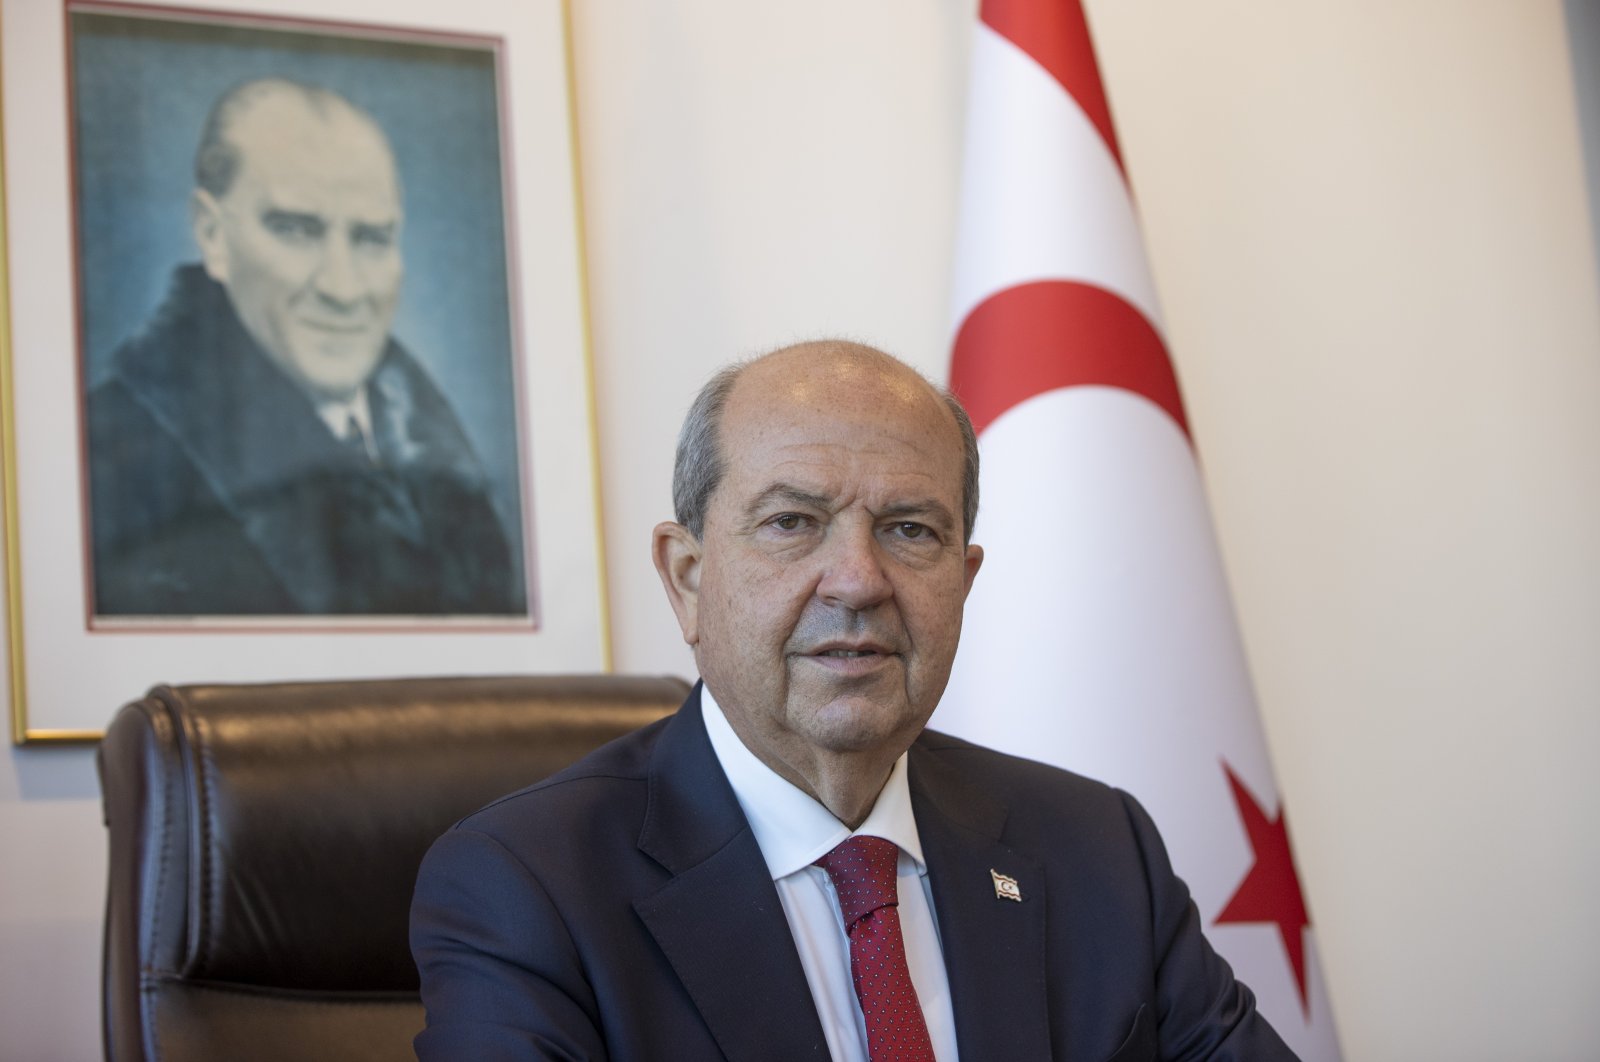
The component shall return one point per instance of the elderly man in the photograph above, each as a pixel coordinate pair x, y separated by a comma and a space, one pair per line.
791, 867
264, 446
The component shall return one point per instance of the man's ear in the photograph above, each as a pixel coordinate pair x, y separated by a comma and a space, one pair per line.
973, 561
677, 555
205, 220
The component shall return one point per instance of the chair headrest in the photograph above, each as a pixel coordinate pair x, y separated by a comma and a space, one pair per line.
310, 806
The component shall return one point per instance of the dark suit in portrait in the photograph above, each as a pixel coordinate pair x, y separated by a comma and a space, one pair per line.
216, 489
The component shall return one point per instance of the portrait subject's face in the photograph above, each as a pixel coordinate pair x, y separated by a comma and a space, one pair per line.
829, 582
307, 241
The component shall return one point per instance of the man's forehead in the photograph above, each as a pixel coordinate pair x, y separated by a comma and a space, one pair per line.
809, 371
888, 445
841, 471
831, 400
283, 135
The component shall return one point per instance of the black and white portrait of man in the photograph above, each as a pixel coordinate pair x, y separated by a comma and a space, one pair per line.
263, 444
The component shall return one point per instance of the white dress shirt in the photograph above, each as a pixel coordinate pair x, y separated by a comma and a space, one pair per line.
337, 415
793, 831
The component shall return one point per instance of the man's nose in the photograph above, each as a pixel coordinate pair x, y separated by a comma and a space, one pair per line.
339, 278
854, 574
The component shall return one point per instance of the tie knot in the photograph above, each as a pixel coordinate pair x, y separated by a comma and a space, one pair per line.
355, 440
863, 874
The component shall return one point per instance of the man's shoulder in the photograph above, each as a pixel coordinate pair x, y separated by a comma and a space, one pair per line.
979, 763
605, 787
1034, 796
180, 331
188, 370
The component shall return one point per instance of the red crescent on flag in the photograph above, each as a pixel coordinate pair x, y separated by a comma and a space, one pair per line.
1056, 36
1050, 334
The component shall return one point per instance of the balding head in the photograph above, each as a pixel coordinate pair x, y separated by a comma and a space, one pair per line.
219, 155
700, 460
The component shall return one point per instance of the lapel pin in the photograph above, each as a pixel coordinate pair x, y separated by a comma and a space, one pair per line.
1005, 887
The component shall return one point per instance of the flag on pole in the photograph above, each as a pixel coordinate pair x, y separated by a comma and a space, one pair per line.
1100, 636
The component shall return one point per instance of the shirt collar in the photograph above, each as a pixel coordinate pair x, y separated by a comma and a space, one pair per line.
336, 414
791, 828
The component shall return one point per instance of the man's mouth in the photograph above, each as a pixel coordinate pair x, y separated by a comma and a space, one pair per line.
339, 327
856, 660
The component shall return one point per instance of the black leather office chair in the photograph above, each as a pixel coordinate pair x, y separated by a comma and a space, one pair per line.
265, 840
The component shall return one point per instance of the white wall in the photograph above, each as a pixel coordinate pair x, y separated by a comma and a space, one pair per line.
1368, 226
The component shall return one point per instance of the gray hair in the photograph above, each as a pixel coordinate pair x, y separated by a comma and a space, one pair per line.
217, 159
700, 463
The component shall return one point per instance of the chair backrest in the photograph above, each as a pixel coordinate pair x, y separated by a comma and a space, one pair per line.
265, 840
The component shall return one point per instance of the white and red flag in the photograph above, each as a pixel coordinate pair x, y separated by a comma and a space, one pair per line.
1100, 636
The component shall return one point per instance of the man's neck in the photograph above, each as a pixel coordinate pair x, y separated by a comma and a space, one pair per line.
846, 783
847, 786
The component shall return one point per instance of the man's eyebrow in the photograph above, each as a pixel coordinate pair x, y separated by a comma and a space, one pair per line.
384, 229
928, 509
273, 213
785, 493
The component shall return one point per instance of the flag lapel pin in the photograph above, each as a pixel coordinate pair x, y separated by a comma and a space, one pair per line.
1005, 887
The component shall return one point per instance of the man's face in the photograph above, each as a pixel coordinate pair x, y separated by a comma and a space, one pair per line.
306, 241
831, 574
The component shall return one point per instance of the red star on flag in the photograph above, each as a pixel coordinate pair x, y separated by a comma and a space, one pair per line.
1270, 892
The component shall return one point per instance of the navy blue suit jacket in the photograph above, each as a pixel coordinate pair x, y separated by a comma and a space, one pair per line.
622, 909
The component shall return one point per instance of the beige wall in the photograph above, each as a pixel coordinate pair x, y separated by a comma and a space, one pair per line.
1368, 226
1370, 233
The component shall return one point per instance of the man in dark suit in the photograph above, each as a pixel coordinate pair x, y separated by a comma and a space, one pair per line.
791, 867
265, 446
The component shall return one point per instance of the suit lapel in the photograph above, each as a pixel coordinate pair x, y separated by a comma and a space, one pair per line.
718, 920
994, 947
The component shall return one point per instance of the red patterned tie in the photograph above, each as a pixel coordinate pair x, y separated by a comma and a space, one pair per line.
863, 873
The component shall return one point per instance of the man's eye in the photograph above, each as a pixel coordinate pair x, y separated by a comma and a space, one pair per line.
294, 227
909, 529
789, 522
373, 236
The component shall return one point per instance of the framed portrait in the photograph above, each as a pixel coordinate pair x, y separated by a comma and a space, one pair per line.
296, 377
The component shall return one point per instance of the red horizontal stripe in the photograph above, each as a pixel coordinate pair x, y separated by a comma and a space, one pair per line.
1040, 337
1056, 35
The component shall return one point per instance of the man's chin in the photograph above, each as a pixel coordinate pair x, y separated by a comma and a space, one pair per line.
340, 370
861, 722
